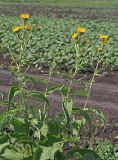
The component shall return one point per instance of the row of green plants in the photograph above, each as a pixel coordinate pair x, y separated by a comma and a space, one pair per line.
79, 3
28, 136
52, 37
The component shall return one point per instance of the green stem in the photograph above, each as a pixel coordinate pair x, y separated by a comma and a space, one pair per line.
91, 83
93, 79
47, 83
76, 69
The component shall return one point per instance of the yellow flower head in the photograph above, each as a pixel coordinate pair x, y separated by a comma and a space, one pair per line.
81, 30
74, 36
16, 29
27, 27
104, 38
25, 16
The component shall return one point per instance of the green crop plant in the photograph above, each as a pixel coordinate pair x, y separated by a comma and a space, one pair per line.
27, 136
52, 37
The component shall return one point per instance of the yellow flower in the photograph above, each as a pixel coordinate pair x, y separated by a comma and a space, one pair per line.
16, 29
81, 30
25, 16
27, 27
104, 38
74, 36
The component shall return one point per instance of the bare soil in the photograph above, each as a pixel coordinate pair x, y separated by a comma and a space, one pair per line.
104, 97
60, 12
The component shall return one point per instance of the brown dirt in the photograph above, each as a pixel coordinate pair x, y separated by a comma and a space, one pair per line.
104, 96
60, 12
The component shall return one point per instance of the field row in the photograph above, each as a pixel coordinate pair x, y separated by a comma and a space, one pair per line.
80, 3
51, 37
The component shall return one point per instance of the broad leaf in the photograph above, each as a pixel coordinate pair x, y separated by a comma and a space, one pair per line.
12, 93
82, 154
89, 154
34, 80
53, 89
54, 127
38, 95
4, 139
11, 155
18, 124
67, 107
64, 91
4, 115
44, 130
97, 113
37, 154
49, 152
83, 114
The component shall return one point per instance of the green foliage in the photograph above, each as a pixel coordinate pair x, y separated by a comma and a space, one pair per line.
107, 150
51, 38
12, 93
27, 136
67, 107
71, 3
83, 154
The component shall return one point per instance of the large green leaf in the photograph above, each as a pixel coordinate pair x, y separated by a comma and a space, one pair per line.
67, 107
34, 80
4, 146
53, 89
4, 142
64, 91
52, 139
97, 113
10, 154
4, 139
72, 155
44, 130
49, 152
37, 154
89, 154
83, 114
54, 127
39, 96
82, 154
18, 124
4, 115
28, 158
12, 93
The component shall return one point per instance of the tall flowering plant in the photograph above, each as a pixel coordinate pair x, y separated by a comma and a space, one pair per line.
27, 136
